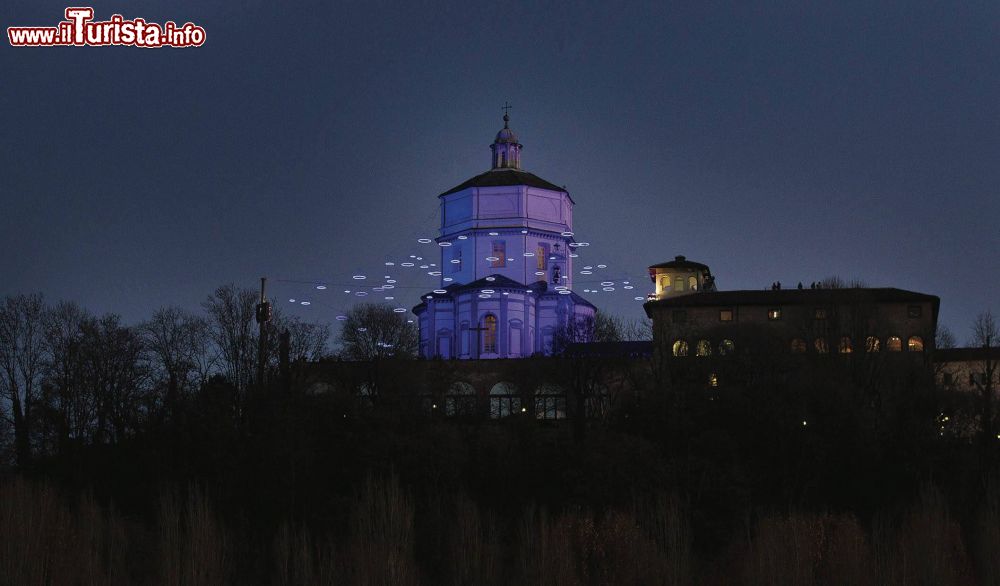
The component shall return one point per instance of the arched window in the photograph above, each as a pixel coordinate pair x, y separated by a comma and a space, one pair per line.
693, 283
704, 348
550, 402
504, 401
915, 344
872, 344
821, 346
490, 334
665, 283
726, 347
895, 344
680, 348
845, 346
460, 400
798, 346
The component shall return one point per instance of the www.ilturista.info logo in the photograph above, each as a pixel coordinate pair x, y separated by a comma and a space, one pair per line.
79, 30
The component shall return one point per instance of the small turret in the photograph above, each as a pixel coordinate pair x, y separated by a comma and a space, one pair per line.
506, 150
680, 277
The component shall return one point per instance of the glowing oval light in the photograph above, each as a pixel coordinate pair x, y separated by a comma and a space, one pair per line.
359, 277
420, 258
399, 310
484, 296
433, 265
305, 303
409, 321
425, 266
347, 290
434, 273
573, 244
560, 287
529, 254
628, 287
424, 240
291, 301
588, 267
491, 279
586, 290
565, 292
566, 234
506, 293
586, 272
602, 266
389, 298
447, 279
524, 231
638, 298
407, 264
456, 261
540, 273
390, 264
583, 244
362, 329
609, 288
439, 291
390, 281
463, 237
377, 289
321, 287
361, 293
388, 286
444, 244
413, 256
494, 233
574, 255
626, 282
341, 317
488, 291
607, 283
493, 258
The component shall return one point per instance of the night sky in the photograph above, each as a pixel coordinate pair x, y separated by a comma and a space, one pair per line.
307, 141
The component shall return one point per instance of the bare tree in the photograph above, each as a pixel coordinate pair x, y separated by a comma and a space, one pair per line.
67, 399
308, 341
22, 363
115, 372
374, 332
179, 351
986, 335
231, 311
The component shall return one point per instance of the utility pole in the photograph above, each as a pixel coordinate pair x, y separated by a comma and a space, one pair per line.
263, 317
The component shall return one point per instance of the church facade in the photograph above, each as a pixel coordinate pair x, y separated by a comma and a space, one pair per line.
507, 250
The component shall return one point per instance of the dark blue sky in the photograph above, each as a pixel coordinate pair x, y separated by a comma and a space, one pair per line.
308, 141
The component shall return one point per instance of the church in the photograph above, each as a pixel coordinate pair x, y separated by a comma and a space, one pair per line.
507, 250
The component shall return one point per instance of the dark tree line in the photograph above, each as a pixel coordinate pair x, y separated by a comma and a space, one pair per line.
71, 378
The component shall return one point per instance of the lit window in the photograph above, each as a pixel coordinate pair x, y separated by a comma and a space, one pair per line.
726, 347
542, 256
914, 311
679, 284
504, 401
499, 254
845, 346
915, 344
798, 346
704, 348
872, 344
725, 315
490, 334
713, 380
665, 283
820, 313
895, 344
774, 313
693, 283
680, 348
821, 345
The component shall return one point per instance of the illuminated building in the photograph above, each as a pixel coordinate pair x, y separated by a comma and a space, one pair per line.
506, 241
